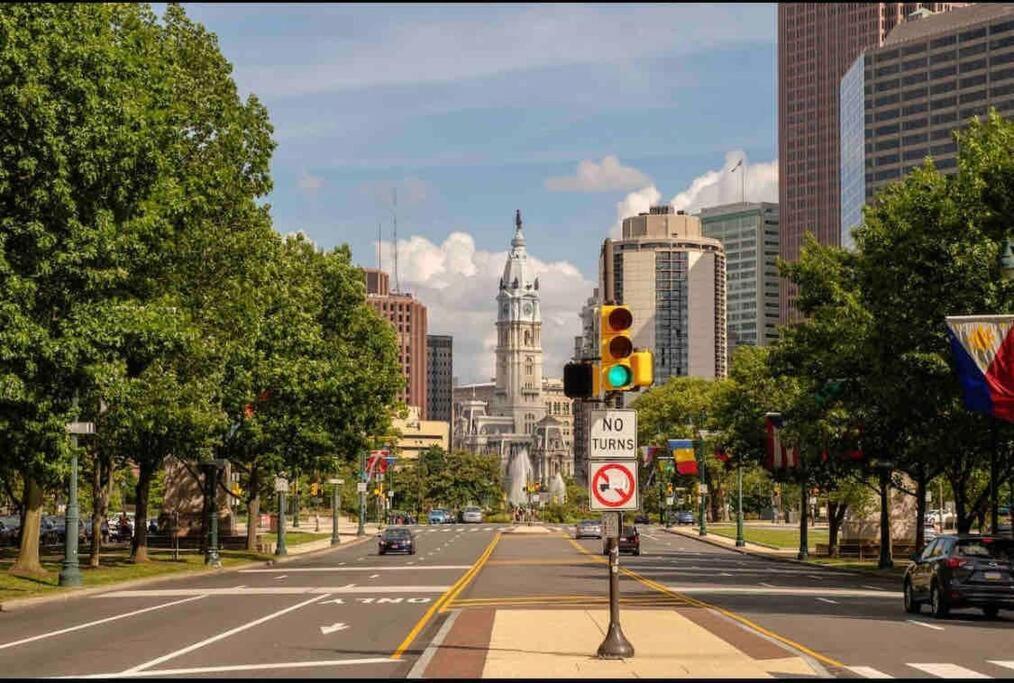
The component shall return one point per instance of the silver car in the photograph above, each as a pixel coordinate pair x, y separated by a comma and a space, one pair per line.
589, 528
471, 515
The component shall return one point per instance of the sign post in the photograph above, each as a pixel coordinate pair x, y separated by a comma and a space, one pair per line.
612, 480
281, 488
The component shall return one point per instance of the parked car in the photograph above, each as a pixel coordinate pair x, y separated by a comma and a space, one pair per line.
9, 527
396, 539
437, 516
589, 528
641, 518
630, 541
961, 570
929, 532
471, 515
684, 517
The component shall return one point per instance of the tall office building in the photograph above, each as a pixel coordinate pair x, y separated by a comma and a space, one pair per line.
673, 279
439, 370
408, 316
817, 43
749, 233
901, 102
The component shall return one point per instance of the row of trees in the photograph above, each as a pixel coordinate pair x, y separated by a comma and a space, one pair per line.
142, 285
870, 366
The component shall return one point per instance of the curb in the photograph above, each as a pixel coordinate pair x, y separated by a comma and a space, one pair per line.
777, 558
17, 604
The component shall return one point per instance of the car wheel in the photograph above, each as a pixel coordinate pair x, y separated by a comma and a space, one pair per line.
381, 552
938, 605
991, 611
411, 551
637, 553
911, 605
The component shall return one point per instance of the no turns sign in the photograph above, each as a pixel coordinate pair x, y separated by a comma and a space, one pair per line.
613, 484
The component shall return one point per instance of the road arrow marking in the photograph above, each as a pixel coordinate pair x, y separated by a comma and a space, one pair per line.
923, 623
333, 627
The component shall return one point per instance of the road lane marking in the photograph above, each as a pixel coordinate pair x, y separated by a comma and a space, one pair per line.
948, 671
766, 585
868, 672
1005, 664
281, 577
828, 601
117, 617
382, 568
333, 628
374, 576
241, 667
221, 636
424, 660
923, 623
873, 588
442, 600
269, 590
796, 592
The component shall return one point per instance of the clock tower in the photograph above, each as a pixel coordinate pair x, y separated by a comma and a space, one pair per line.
518, 391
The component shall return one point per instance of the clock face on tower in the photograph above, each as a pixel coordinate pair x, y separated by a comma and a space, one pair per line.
528, 309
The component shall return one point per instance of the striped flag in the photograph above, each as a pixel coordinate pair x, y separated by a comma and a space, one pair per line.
683, 454
780, 456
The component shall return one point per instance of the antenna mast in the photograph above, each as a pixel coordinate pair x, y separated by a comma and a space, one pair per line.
397, 282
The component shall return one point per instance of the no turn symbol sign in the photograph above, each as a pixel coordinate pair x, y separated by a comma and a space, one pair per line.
613, 485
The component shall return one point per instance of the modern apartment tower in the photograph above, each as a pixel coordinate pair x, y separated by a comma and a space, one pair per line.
902, 101
408, 317
749, 233
439, 371
673, 279
817, 43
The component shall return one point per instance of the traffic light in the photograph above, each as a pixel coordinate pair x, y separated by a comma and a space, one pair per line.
580, 380
642, 363
616, 348
314, 488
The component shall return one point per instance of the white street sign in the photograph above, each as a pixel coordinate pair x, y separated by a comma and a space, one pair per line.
80, 428
361, 487
281, 485
613, 434
669, 500
612, 485
610, 525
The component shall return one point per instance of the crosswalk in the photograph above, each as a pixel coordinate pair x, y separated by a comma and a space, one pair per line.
466, 529
940, 670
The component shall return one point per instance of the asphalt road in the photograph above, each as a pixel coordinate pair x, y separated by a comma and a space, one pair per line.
342, 613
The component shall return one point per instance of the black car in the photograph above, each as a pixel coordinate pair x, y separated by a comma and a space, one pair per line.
630, 541
396, 539
961, 571
641, 518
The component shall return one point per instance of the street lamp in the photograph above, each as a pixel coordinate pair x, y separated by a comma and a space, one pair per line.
70, 574
702, 434
211, 473
361, 531
281, 488
740, 540
336, 501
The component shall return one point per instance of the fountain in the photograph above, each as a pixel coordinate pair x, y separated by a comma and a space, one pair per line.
519, 473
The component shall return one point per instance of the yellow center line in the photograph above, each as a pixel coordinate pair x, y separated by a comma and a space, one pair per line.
443, 599
732, 615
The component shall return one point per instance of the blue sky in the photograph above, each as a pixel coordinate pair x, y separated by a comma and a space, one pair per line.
471, 110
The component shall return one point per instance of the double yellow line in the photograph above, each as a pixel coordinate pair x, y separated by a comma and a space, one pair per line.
447, 597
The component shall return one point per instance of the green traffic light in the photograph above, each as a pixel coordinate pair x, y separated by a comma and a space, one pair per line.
619, 376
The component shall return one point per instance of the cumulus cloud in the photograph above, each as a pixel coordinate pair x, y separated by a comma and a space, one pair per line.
309, 183
633, 204
722, 186
609, 174
458, 284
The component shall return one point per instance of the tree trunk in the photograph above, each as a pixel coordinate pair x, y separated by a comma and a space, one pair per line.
835, 517
27, 563
102, 489
920, 511
139, 546
964, 521
886, 558
253, 510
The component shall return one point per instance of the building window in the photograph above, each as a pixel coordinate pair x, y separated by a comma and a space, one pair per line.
944, 72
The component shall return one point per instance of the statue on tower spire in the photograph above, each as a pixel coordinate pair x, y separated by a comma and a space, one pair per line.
519, 237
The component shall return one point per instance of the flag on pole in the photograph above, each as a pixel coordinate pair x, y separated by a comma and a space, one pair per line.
721, 453
376, 464
683, 454
648, 453
983, 349
780, 456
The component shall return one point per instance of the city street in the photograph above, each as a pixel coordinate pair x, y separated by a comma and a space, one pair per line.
447, 610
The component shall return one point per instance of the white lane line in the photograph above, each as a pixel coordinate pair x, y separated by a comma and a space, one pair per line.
489, 528
242, 667
269, 590
388, 568
816, 576
868, 672
837, 592
923, 623
281, 577
766, 585
420, 666
374, 576
873, 588
340, 564
222, 636
828, 601
948, 671
70, 629
1009, 664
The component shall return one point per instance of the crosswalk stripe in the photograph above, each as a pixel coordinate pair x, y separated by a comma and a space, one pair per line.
868, 672
948, 671
1009, 664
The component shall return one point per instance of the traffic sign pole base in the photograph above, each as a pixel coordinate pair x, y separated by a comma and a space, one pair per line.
616, 645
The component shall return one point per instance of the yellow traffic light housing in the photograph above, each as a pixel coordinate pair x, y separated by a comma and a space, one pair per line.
616, 348
642, 363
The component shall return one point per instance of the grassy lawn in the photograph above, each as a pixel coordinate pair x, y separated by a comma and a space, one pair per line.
779, 538
297, 537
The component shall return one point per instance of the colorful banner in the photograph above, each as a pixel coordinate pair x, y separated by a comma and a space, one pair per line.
376, 464
684, 455
780, 456
983, 348
648, 453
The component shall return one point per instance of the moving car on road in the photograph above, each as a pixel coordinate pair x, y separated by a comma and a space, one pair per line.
471, 515
961, 571
630, 541
684, 517
641, 518
437, 516
396, 539
589, 528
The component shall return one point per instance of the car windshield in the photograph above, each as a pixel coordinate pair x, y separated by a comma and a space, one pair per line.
629, 531
986, 548
396, 533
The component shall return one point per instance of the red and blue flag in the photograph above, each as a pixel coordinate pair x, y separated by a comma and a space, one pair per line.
983, 348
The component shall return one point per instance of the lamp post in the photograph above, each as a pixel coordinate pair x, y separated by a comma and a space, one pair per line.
702, 434
740, 540
212, 556
70, 573
281, 487
361, 531
336, 502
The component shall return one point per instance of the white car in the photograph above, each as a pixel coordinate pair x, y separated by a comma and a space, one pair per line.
471, 515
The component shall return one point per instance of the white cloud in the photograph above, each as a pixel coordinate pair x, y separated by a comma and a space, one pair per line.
461, 44
310, 183
722, 186
458, 284
633, 204
609, 174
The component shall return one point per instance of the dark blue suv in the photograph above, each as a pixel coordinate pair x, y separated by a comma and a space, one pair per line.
961, 570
